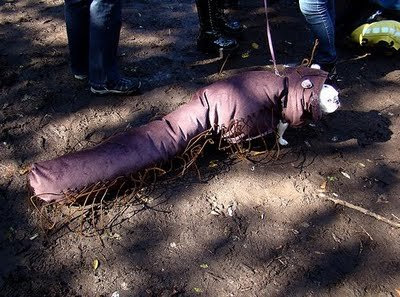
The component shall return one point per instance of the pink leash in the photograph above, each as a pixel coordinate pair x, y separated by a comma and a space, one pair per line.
271, 47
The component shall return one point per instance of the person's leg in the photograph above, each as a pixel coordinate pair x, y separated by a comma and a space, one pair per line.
332, 12
105, 25
320, 15
210, 39
224, 24
77, 21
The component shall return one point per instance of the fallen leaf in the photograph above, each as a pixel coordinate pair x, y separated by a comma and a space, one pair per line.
197, 290
95, 264
212, 164
305, 225
245, 55
345, 174
124, 286
331, 178
323, 185
24, 170
258, 153
204, 265
113, 235
255, 45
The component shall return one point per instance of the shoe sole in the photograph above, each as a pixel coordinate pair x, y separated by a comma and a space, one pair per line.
107, 91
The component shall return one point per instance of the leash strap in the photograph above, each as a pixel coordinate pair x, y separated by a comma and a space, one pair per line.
271, 47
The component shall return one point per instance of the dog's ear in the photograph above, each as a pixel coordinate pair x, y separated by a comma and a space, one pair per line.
329, 99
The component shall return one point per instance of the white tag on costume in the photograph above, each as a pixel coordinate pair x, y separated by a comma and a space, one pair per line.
307, 84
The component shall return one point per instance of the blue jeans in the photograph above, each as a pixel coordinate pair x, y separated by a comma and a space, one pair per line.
320, 15
93, 28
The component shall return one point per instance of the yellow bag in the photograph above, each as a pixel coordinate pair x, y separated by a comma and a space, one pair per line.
378, 32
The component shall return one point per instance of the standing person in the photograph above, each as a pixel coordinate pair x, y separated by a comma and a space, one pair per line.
215, 27
93, 29
320, 15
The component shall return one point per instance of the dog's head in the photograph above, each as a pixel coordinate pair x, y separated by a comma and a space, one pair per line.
328, 99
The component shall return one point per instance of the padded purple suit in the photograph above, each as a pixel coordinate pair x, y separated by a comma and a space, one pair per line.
258, 98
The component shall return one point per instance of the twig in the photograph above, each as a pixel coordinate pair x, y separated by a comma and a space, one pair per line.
272, 261
219, 278
364, 211
396, 217
249, 267
205, 62
245, 289
307, 62
369, 235
355, 58
223, 64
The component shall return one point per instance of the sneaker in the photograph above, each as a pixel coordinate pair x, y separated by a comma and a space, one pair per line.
123, 86
80, 76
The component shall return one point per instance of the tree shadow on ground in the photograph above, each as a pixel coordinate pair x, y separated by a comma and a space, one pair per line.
266, 254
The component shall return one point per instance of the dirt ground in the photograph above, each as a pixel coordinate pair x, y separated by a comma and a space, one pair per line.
249, 229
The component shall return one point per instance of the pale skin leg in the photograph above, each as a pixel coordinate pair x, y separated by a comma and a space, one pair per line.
281, 129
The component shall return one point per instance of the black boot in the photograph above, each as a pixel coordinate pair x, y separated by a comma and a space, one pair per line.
210, 39
227, 26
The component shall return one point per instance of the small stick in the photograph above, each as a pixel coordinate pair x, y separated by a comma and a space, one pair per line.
369, 235
219, 278
206, 61
396, 217
364, 211
355, 59
223, 64
307, 62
